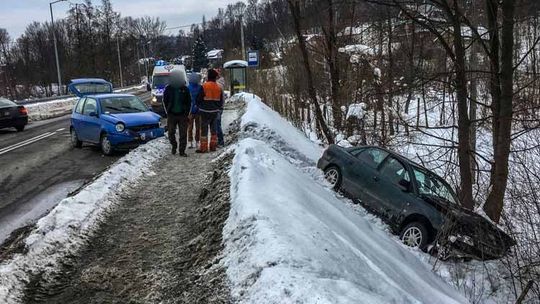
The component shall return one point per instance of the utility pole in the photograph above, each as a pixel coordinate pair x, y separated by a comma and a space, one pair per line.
119, 60
242, 36
138, 62
56, 48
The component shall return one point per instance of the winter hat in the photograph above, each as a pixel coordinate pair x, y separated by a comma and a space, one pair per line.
177, 78
194, 77
212, 75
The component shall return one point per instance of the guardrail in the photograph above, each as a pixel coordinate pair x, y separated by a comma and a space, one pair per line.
45, 99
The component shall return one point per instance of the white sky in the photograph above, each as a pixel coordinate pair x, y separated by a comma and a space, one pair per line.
15, 15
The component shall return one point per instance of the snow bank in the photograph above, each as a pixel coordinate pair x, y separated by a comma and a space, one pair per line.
289, 239
59, 107
50, 109
269, 125
65, 228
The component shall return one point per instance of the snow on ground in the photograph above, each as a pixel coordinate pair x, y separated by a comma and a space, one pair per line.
289, 239
50, 109
66, 227
261, 119
59, 107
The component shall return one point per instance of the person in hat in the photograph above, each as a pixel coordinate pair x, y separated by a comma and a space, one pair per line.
210, 103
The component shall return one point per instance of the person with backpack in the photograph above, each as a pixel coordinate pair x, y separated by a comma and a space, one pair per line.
210, 103
177, 102
194, 123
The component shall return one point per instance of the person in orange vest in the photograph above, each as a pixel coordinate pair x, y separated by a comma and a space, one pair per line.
210, 103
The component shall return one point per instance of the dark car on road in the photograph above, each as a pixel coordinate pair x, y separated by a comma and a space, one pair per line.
418, 205
12, 115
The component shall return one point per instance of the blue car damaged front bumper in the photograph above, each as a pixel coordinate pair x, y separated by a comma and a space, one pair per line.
131, 139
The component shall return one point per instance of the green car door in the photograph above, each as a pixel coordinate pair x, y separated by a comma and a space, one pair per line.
364, 170
391, 187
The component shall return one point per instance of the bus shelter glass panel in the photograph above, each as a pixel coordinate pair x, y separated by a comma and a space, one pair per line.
238, 80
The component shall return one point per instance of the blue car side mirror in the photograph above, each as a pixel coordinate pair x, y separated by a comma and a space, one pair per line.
93, 114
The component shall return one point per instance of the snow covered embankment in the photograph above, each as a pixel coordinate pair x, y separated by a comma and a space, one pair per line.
59, 107
289, 239
65, 228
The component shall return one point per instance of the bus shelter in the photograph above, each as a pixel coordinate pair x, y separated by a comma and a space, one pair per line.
237, 72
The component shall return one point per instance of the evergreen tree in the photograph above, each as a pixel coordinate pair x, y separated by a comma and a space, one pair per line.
199, 54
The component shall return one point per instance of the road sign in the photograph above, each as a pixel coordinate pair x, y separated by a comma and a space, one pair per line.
253, 58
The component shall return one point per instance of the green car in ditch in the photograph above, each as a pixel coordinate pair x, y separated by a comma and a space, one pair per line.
418, 205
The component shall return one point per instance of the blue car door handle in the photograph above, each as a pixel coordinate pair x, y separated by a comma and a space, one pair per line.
376, 178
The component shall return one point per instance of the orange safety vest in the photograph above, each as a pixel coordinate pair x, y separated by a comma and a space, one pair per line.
212, 91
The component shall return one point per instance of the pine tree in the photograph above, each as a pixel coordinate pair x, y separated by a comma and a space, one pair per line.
199, 54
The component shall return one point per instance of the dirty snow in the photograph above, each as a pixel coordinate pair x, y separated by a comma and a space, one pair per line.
65, 228
59, 107
290, 239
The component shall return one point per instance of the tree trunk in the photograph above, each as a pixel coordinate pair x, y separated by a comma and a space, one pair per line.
503, 118
464, 143
295, 11
331, 58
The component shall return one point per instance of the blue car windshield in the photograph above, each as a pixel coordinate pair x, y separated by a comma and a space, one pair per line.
122, 104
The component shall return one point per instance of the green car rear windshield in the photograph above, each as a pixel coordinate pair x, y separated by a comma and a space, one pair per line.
122, 104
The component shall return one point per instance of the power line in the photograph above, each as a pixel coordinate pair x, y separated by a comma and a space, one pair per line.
182, 26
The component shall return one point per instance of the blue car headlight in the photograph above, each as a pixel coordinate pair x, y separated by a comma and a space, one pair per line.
120, 127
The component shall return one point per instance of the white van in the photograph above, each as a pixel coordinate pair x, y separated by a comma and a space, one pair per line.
160, 79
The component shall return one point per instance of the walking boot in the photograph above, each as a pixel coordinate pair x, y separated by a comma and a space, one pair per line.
203, 148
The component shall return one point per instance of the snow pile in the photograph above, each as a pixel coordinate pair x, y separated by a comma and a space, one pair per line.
264, 123
361, 49
65, 228
59, 107
356, 110
289, 239
50, 109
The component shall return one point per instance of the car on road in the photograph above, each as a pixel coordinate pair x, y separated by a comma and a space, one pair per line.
12, 115
419, 206
112, 121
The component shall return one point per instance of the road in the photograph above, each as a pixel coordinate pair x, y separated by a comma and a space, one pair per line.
38, 168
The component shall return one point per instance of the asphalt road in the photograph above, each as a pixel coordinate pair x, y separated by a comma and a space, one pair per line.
38, 168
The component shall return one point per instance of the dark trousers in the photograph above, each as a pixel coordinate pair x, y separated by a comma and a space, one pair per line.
208, 122
219, 130
180, 121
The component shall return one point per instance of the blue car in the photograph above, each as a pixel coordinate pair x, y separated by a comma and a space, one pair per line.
112, 121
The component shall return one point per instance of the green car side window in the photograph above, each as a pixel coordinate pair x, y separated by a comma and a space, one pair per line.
431, 185
394, 171
373, 157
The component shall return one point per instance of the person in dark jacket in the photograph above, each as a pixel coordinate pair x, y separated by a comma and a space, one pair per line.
177, 103
194, 123
210, 103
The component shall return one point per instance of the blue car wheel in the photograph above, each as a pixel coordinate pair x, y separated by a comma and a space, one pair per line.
75, 142
106, 145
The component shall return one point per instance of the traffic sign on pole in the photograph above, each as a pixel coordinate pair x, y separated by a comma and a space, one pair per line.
253, 58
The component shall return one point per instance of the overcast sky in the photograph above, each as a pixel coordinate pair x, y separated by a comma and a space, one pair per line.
15, 15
